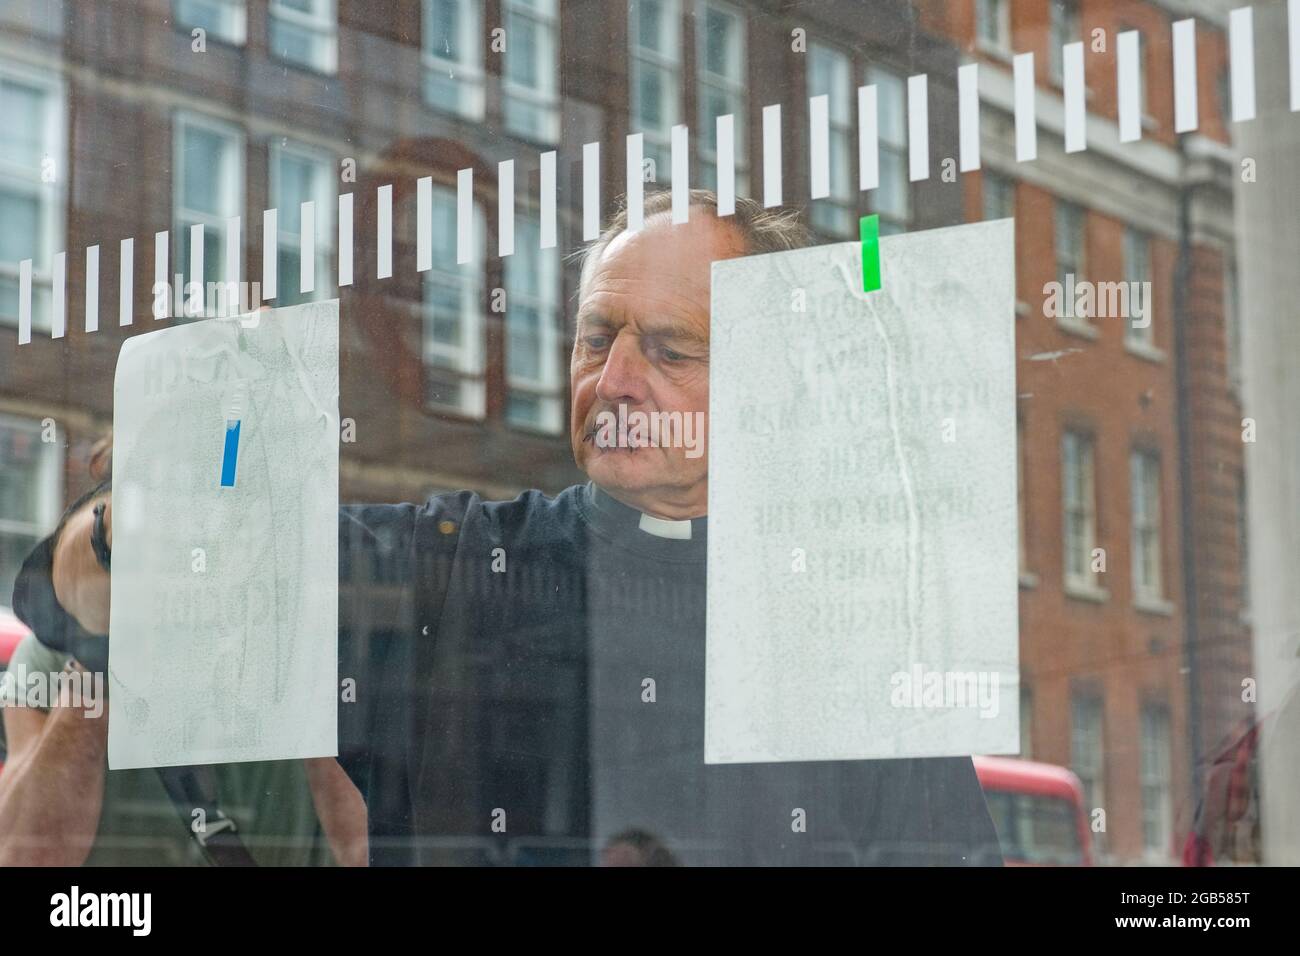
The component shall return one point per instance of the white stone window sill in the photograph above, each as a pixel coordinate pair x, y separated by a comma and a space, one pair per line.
1150, 604
1086, 591
1144, 350
1077, 327
996, 51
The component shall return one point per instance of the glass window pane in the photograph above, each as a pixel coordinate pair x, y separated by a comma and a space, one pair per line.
21, 236
22, 135
203, 162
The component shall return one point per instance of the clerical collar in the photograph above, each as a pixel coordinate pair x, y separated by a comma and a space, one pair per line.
685, 540
665, 528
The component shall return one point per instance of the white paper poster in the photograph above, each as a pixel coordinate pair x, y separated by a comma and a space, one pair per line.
863, 585
224, 623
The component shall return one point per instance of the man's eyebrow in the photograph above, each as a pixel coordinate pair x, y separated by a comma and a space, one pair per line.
663, 328
669, 329
595, 320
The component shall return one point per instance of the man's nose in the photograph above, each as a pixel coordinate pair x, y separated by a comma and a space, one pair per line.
623, 379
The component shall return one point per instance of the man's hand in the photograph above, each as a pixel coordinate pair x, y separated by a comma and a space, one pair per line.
80, 584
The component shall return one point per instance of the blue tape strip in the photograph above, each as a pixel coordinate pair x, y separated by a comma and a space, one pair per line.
230, 456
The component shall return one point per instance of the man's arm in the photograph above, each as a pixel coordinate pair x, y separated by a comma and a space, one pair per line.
341, 811
52, 787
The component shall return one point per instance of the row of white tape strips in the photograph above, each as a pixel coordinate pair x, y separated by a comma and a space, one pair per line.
1242, 64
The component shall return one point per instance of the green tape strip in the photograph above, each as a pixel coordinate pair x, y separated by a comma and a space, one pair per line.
869, 227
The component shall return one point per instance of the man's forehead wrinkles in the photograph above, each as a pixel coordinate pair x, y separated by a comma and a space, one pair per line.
669, 288
616, 304
639, 276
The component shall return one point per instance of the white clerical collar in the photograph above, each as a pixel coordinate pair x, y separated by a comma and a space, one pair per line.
664, 528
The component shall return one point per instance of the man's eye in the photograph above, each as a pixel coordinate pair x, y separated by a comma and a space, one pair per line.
597, 343
670, 356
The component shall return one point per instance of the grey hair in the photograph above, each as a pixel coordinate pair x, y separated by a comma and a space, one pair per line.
762, 229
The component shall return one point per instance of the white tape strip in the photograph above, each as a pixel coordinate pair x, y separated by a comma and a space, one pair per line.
270, 253
1026, 117
345, 239
506, 208
424, 223
918, 128
772, 155
968, 111
590, 191
548, 200
464, 216
1185, 107
1293, 44
681, 174
307, 247
196, 290
726, 130
125, 281
1129, 79
92, 288
384, 232
59, 296
635, 185
868, 139
1241, 43
1075, 104
24, 301
162, 282
819, 145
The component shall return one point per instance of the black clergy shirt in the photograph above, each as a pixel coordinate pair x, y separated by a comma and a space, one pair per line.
529, 689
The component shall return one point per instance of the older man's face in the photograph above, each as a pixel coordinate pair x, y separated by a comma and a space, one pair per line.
643, 342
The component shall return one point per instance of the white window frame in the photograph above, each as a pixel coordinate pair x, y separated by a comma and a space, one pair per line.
545, 96
325, 196
1026, 723
1149, 122
837, 214
657, 141
236, 30
1001, 43
1137, 268
734, 88
1081, 581
1070, 253
1088, 752
322, 21
49, 481
549, 385
1232, 328
892, 145
467, 74
1144, 500
1156, 790
183, 218
466, 361
1000, 191
52, 197
1062, 28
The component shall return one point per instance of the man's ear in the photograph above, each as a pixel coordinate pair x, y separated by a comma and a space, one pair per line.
101, 458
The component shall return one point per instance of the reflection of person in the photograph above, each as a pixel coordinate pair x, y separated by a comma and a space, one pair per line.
636, 848
60, 805
530, 673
